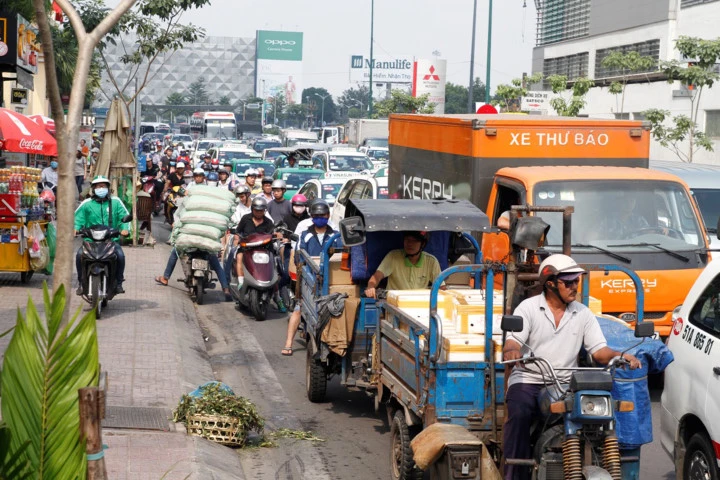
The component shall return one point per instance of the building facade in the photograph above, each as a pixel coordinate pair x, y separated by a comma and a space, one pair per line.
573, 37
226, 64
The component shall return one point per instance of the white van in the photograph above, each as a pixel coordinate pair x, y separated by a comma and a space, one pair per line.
690, 415
704, 183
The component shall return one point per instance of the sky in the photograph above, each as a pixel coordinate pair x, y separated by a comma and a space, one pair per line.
335, 30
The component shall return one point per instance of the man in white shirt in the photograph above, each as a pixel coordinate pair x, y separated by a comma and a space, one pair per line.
555, 327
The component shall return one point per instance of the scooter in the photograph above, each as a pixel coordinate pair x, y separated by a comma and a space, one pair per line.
262, 267
575, 438
196, 268
98, 263
172, 202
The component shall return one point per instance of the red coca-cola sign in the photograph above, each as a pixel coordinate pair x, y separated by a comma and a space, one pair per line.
35, 145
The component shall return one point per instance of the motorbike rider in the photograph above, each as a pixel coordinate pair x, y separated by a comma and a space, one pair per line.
250, 180
232, 180
555, 327
266, 193
242, 194
215, 164
49, 176
408, 268
102, 209
254, 222
299, 211
206, 162
223, 179
175, 179
212, 178
198, 178
166, 159
278, 207
312, 241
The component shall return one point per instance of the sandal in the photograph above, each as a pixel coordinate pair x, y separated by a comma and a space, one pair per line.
161, 281
287, 351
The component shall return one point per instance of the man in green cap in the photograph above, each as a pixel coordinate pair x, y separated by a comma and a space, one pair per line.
102, 209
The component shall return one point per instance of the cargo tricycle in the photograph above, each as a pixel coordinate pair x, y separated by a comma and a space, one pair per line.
432, 357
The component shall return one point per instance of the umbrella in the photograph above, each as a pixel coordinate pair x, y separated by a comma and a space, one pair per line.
44, 121
115, 149
20, 134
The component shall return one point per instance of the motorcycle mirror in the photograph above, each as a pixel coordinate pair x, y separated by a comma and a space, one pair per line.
352, 231
644, 329
127, 218
511, 323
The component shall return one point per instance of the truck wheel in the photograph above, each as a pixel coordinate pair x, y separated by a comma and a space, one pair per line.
315, 378
700, 459
258, 309
401, 455
199, 290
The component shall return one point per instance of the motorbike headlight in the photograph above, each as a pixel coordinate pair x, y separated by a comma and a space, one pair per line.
260, 257
98, 235
595, 405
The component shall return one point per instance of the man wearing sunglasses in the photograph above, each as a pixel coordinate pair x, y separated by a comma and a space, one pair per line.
556, 327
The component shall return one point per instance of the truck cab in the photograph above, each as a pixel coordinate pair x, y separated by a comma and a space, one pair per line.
599, 167
633, 217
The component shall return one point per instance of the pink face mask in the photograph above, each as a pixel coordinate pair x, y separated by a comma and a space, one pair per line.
299, 209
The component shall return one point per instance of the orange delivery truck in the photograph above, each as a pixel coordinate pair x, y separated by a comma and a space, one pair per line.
625, 213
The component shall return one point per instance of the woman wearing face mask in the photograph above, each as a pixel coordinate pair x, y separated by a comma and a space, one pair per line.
312, 241
49, 176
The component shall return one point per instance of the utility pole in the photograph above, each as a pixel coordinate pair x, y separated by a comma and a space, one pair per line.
322, 111
471, 106
372, 25
489, 51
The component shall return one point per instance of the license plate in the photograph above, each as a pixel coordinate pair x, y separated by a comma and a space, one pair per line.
199, 264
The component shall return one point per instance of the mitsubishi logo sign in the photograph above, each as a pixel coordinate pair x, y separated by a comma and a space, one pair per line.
432, 75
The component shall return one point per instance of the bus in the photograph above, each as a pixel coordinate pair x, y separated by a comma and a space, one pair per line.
213, 125
154, 127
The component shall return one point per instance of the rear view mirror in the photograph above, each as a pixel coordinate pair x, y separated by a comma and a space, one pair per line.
126, 218
717, 229
352, 231
511, 323
529, 232
644, 329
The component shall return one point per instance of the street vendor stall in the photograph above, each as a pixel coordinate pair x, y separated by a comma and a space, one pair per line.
23, 221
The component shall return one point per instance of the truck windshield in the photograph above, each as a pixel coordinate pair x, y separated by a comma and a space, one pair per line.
609, 213
708, 200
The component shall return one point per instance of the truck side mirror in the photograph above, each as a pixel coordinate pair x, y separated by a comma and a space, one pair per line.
644, 329
511, 323
352, 231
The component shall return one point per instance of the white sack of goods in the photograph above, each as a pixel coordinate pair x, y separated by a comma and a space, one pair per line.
204, 218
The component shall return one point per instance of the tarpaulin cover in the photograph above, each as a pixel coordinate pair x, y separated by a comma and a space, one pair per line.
634, 428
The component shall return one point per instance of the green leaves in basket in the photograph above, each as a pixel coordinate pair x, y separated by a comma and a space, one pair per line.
215, 401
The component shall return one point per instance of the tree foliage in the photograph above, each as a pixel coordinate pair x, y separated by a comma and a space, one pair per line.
197, 93
355, 99
402, 102
696, 75
456, 96
45, 364
626, 64
509, 96
568, 105
311, 97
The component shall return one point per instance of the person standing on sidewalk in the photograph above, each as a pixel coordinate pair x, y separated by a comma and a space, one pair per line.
80, 171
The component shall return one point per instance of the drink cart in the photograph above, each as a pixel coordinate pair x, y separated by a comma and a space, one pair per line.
21, 216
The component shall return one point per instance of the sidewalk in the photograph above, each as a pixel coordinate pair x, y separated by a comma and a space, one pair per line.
152, 350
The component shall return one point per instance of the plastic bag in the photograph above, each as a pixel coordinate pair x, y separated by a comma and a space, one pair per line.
51, 239
185, 242
214, 192
41, 261
36, 238
208, 204
204, 218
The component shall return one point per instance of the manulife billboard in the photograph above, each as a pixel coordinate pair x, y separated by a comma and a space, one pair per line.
279, 45
279, 65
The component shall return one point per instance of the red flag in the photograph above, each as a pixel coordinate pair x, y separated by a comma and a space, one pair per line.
58, 12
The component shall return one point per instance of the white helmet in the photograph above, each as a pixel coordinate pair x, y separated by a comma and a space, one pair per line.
559, 264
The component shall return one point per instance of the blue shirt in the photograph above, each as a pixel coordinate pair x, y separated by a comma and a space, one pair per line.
312, 244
